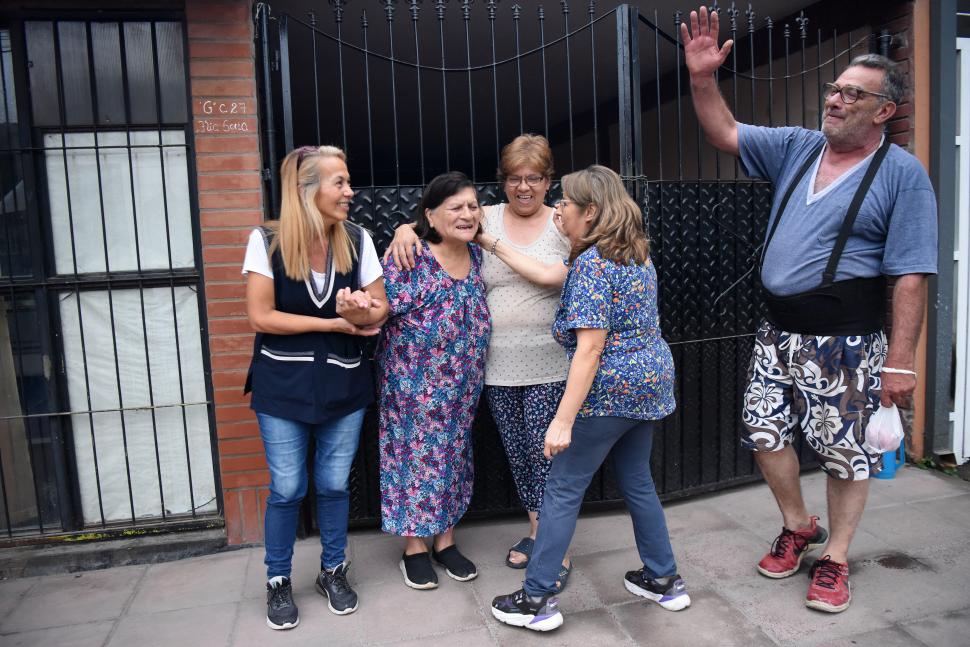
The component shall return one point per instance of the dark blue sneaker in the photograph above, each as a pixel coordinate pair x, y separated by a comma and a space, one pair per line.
281, 611
333, 585
520, 609
668, 592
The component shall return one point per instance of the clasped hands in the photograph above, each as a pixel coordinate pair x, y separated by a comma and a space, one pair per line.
355, 309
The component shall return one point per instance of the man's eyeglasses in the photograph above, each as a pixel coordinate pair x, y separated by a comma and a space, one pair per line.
849, 93
531, 180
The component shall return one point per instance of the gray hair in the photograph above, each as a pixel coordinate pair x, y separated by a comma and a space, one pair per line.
894, 80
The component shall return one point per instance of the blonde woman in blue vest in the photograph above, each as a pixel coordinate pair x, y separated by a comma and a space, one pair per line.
314, 291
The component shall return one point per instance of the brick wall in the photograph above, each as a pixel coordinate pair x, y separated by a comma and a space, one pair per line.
222, 72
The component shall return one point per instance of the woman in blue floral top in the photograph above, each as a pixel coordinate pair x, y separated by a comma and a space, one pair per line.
620, 382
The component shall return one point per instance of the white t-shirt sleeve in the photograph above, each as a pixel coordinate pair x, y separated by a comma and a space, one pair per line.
257, 260
370, 264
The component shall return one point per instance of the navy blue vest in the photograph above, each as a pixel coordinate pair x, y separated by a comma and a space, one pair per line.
310, 377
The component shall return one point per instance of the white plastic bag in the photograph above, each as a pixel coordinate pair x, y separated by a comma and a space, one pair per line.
885, 430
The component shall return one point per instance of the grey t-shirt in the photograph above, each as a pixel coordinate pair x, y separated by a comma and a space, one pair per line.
895, 232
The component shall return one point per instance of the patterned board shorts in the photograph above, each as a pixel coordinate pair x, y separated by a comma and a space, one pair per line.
827, 386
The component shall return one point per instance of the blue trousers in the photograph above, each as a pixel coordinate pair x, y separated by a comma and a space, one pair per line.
286, 443
592, 439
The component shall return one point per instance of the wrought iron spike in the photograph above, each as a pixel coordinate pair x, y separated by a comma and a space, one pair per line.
565, 6
542, 13
769, 22
466, 9
751, 16
363, 18
313, 18
439, 8
733, 12
414, 9
389, 9
802, 24
338, 9
491, 6
591, 9
516, 11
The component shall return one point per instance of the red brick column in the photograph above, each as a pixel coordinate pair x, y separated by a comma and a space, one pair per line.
222, 71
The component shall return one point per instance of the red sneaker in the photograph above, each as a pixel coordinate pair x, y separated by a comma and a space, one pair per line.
788, 549
829, 590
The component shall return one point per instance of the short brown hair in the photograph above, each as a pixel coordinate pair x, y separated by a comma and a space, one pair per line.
526, 150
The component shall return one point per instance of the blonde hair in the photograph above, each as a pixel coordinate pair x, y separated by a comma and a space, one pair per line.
527, 150
301, 224
617, 228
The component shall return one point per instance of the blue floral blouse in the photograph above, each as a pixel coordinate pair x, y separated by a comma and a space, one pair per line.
636, 374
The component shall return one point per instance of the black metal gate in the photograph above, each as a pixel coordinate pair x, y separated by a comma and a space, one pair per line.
446, 85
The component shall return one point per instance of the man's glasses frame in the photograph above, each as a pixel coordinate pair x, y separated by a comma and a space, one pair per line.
850, 93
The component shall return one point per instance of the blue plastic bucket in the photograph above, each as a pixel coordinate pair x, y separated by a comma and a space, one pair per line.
891, 461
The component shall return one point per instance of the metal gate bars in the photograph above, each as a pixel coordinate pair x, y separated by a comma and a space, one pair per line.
412, 89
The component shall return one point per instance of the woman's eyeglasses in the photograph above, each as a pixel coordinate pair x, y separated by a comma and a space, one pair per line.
531, 180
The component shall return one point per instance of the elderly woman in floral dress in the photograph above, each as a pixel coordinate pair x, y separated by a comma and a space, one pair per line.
432, 360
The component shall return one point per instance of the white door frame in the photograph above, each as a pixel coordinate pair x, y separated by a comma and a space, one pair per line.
960, 417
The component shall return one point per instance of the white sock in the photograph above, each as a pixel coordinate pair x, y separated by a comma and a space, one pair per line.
276, 581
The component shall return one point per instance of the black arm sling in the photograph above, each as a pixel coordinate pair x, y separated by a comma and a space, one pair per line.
835, 308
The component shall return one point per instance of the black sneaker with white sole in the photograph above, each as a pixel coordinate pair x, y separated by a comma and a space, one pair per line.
281, 611
457, 566
520, 609
669, 592
333, 585
418, 572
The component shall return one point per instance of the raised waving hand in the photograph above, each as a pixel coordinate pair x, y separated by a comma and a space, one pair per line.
701, 52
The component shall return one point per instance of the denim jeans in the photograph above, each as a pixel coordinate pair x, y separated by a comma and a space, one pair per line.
573, 469
286, 444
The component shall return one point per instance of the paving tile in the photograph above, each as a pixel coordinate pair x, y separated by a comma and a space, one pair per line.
91, 634
691, 517
721, 556
910, 529
580, 594
58, 600
710, 620
602, 531
11, 591
891, 637
777, 607
946, 630
606, 570
187, 583
388, 612
587, 628
954, 510
316, 622
200, 625
913, 484
471, 638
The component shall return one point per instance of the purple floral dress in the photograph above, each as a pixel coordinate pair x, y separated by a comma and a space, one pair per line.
432, 359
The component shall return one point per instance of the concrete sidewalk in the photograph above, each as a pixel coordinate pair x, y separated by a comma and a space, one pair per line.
910, 576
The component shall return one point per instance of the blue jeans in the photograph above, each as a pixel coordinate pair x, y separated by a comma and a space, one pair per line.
286, 444
573, 469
